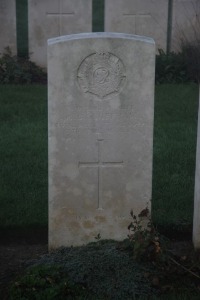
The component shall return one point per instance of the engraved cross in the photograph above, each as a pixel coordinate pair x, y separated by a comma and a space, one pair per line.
60, 14
100, 164
136, 17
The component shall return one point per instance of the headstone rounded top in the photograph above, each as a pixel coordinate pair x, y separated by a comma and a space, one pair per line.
97, 35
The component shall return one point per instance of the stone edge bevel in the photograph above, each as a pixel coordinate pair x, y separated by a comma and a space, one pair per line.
97, 35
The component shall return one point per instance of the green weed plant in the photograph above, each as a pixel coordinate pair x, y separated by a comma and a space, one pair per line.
144, 237
45, 282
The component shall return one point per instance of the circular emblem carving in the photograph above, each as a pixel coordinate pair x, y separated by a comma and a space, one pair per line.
101, 74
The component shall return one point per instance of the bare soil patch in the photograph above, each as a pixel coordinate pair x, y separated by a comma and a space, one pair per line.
16, 248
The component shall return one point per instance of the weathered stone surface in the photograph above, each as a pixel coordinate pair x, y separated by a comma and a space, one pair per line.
141, 17
101, 104
196, 217
8, 25
50, 18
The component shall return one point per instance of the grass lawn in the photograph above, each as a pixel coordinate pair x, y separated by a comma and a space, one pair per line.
23, 152
175, 125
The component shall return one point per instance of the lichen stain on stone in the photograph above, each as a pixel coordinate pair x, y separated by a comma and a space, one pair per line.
56, 224
100, 219
74, 225
88, 224
68, 212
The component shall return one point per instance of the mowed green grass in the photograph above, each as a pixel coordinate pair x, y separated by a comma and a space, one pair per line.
23, 152
175, 129
24, 166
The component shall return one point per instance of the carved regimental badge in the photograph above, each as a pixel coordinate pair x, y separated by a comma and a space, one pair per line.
101, 74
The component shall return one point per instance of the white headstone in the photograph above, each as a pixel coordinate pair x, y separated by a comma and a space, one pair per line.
196, 217
50, 18
101, 105
8, 26
142, 17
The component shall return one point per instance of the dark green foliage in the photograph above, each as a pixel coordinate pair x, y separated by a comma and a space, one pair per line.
107, 270
171, 68
183, 66
45, 282
191, 52
18, 70
99, 269
144, 238
190, 43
